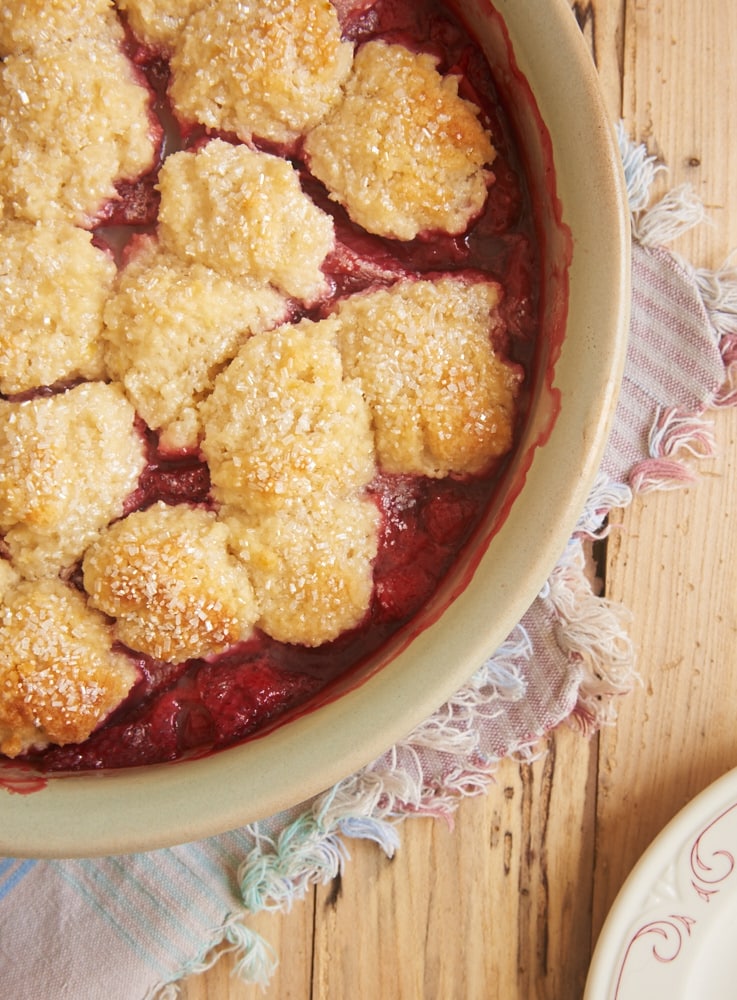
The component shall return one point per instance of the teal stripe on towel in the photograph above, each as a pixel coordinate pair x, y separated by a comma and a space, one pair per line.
12, 872
163, 904
69, 871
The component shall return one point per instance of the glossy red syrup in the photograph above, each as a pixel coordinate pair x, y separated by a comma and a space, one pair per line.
199, 706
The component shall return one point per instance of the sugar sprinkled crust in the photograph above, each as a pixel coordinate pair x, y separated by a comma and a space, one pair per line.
311, 566
59, 675
53, 285
290, 449
402, 151
26, 24
168, 578
170, 326
159, 22
282, 424
244, 213
9, 576
73, 120
269, 68
197, 337
441, 399
67, 463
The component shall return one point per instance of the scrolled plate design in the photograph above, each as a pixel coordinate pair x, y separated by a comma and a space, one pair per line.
671, 931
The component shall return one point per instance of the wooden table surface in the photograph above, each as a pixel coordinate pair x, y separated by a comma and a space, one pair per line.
509, 903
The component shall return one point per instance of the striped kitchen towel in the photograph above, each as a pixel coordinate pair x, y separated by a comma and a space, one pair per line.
128, 928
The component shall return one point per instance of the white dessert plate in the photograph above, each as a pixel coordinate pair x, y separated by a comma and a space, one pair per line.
671, 931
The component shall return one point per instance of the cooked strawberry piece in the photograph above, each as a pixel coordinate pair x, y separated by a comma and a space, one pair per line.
136, 205
179, 480
402, 592
447, 516
149, 739
242, 696
351, 10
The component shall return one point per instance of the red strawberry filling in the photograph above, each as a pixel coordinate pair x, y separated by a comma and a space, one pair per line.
209, 705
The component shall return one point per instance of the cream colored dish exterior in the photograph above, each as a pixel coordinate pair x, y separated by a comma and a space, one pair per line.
150, 807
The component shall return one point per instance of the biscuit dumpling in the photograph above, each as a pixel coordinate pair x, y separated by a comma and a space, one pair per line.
311, 566
74, 120
269, 69
68, 462
243, 213
403, 152
53, 287
159, 22
60, 675
168, 578
443, 400
28, 24
282, 423
170, 326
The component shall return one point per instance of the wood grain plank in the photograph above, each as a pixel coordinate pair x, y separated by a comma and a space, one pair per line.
602, 23
495, 907
506, 904
461, 913
673, 558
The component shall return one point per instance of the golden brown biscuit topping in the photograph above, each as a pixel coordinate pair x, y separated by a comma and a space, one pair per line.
264, 68
59, 675
402, 151
219, 307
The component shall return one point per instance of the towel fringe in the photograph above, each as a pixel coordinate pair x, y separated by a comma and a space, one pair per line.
673, 432
660, 474
593, 631
500, 677
718, 290
640, 169
676, 213
275, 874
164, 991
606, 495
255, 960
